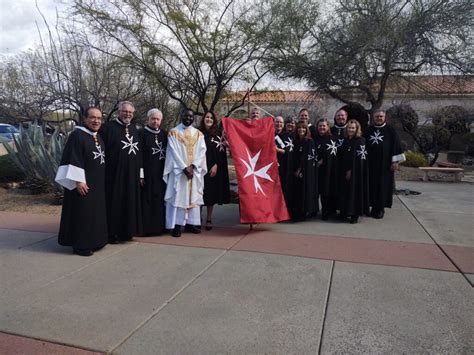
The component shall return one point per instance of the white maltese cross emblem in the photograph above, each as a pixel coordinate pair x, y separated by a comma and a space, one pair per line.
376, 138
132, 146
362, 153
99, 154
261, 173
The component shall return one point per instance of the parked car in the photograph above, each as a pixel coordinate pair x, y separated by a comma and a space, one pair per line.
7, 131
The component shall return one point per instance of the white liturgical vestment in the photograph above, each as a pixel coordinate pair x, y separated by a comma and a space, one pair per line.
186, 146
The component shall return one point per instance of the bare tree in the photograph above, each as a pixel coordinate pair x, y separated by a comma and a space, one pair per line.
22, 93
193, 49
356, 51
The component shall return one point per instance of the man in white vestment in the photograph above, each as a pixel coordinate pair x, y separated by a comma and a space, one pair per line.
185, 167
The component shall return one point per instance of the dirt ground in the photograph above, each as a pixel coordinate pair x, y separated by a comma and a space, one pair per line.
19, 200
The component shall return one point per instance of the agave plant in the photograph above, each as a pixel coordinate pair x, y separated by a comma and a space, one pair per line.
38, 155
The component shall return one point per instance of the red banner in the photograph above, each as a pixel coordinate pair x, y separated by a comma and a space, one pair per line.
252, 144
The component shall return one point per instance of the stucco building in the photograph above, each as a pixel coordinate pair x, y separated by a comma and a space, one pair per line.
424, 93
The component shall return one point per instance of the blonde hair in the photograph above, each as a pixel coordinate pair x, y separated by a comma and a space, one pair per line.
358, 130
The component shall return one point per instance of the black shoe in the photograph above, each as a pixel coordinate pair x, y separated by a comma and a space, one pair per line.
353, 219
208, 225
324, 216
83, 252
176, 232
192, 229
342, 216
113, 240
379, 214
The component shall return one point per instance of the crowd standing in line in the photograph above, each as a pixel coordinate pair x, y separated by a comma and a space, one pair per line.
151, 181
352, 171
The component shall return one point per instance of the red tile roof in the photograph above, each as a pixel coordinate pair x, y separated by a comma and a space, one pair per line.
275, 96
431, 84
413, 85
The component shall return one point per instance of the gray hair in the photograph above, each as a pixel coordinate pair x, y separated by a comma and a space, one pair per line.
280, 117
154, 111
123, 103
379, 110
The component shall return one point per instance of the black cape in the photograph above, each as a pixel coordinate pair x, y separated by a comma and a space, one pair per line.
153, 192
122, 182
304, 186
326, 148
284, 141
354, 197
383, 143
83, 218
338, 136
217, 188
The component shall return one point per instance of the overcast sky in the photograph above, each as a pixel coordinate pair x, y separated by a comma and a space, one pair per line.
18, 30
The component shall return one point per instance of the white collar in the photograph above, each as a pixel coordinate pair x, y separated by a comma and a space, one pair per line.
339, 127
151, 130
382, 125
183, 126
85, 129
121, 123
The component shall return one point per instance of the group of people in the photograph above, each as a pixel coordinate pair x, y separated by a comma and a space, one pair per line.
120, 182
351, 172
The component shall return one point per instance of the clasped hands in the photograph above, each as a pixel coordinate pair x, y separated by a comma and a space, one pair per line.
189, 171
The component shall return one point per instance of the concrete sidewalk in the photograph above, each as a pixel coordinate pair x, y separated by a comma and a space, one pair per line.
400, 285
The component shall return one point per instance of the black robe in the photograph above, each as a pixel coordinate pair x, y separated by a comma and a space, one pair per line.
153, 144
338, 133
326, 148
284, 141
354, 197
122, 184
383, 144
312, 130
217, 188
83, 218
338, 136
304, 187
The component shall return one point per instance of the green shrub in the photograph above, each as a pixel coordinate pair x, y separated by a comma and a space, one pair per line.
38, 154
414, 159
9, 171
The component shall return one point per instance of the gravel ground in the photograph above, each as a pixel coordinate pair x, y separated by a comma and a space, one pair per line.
19, 200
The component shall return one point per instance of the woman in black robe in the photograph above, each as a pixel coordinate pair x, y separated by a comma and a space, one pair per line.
284, 148
304, 186
354, 199
82, 173
326, 148
216, 181
153, 142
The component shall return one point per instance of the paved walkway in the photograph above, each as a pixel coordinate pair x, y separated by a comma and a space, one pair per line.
400, 285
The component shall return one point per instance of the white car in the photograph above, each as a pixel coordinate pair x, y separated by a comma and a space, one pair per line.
7, 131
